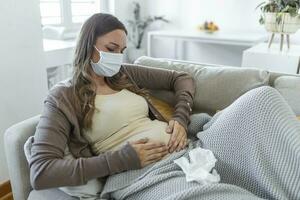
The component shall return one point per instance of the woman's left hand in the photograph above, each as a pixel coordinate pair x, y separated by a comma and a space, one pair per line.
178, 139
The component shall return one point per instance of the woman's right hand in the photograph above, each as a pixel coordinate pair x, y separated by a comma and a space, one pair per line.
149, 151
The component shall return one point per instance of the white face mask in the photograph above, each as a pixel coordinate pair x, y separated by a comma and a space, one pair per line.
109, 63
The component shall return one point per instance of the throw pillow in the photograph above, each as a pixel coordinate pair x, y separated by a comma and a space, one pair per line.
163, 107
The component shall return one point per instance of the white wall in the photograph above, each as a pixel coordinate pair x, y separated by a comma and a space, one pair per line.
22, 74
228, 14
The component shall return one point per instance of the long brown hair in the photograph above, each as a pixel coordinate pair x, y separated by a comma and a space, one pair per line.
84, 87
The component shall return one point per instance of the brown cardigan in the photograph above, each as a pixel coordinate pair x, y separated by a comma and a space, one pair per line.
59, 126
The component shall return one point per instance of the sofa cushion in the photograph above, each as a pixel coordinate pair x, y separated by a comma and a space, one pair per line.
216, 87
289, 88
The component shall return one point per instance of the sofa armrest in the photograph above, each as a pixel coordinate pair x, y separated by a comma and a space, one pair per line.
289, 88
14, 139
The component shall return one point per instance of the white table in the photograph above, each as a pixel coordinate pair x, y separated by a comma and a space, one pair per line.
58, 52
285, 61
247, 39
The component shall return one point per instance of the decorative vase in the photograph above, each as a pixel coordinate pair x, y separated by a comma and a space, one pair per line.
134, 53
285, 26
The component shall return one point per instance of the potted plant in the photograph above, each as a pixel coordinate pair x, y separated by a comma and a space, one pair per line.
280, 16
137, 28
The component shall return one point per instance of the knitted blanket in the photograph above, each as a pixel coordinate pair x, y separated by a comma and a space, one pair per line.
257, 143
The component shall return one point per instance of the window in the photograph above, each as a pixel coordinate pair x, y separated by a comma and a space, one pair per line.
67, 13
82, 9
50, 12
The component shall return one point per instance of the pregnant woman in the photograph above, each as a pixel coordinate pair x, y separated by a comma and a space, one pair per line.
102, 114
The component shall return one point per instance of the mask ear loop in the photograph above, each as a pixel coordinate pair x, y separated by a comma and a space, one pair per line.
96, 48
98, 52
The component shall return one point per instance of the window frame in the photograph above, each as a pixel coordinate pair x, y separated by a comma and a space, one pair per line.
60, 12
66, 14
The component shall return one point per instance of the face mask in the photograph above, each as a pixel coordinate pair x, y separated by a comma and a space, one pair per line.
109, 63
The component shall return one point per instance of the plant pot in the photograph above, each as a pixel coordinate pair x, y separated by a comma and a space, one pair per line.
287, 24
134, 53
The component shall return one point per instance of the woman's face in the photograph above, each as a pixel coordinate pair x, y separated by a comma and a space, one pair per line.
113, 42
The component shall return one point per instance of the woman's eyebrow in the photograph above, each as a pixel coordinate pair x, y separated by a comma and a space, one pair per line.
114, 44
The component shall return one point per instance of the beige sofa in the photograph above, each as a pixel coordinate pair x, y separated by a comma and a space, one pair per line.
217, 87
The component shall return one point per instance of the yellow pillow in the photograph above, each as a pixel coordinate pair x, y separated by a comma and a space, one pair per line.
163, 107
298, 117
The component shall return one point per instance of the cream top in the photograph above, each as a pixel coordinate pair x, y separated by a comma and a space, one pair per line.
122, 117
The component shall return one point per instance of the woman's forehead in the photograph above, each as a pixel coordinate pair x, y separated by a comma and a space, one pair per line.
117, 36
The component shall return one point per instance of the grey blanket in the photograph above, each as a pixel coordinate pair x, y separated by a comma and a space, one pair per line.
257, 143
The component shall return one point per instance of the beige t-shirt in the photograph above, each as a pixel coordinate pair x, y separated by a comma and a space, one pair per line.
122, 117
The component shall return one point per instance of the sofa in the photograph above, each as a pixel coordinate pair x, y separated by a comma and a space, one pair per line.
217, 87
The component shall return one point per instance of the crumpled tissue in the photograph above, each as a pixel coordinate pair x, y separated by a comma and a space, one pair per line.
200, 167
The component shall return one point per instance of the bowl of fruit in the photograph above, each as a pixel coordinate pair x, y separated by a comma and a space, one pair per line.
208, 27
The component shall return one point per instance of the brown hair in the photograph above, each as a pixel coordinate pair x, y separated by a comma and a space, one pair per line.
84, 87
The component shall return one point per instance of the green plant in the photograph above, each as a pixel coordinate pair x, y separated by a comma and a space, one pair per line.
139, 25
279, 7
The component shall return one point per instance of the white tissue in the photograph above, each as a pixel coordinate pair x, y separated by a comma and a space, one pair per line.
202, 161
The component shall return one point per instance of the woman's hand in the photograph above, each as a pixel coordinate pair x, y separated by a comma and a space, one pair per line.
149, 151
178, 139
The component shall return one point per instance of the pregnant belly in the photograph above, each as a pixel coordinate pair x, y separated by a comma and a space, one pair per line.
153, 130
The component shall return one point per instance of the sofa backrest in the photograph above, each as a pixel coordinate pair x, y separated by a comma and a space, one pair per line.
217, 86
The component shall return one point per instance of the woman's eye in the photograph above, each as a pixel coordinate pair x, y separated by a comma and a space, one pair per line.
109, 49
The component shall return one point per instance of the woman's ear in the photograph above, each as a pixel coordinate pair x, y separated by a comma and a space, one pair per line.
95, 56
